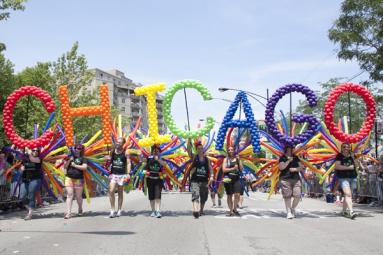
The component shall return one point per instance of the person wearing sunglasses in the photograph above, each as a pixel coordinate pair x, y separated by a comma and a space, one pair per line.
31, 180
74, 180
120, 169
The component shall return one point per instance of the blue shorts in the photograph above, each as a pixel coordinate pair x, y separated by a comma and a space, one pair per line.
348, 182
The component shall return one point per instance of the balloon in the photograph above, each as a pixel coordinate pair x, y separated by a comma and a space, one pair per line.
368, 122
68, 113
9, 106
249, 122
150, 92
167, 109
313, 123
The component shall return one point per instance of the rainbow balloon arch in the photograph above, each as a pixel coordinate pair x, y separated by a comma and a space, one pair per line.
316, 143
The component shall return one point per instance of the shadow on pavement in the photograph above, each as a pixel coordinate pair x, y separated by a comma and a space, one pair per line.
111, 233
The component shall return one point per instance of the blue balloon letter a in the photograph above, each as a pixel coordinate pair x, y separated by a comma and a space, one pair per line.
249, 122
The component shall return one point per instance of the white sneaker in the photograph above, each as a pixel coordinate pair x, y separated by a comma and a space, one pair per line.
119, 212
112, 215
293, 213
289, 216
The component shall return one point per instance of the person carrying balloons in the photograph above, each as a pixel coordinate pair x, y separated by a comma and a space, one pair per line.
232, 167
290, 182
345, 171
75, 166
201, 177
120, 169
154, 166
31, 177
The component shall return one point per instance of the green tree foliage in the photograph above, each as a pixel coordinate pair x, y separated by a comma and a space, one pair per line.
359, 33
70, 69
7, 5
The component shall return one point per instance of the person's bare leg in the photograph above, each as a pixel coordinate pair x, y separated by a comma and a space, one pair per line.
69, 200
78, 192
112, 190
236, 201
157, 204
347, 198
120, 197
230, 203
287, 204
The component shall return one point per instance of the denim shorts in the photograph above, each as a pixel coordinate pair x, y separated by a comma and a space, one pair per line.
348, 182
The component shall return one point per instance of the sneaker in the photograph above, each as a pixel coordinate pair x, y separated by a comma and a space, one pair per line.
219, 203
153, 214
119, 212
236, 213
196, 215
353, 215
28, 217
158, 214
201, 213
293, 212
80, 212
214, 206
112, 215
289, 216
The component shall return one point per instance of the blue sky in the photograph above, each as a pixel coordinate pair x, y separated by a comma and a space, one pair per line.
250, 45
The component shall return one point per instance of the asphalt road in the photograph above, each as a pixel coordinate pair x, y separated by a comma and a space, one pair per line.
261, 229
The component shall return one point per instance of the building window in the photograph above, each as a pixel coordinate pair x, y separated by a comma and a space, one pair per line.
123, 100
101, 75
123, 109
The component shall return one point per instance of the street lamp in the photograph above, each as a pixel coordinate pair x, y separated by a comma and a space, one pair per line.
247, 92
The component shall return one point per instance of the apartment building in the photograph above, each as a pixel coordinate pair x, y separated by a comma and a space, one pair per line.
121, 95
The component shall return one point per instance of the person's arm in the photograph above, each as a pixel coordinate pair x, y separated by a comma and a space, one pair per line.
81, 167
226, 169
128, 164
34, 159
283, 164
210, 173
340, 167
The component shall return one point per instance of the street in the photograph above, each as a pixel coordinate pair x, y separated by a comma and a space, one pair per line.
261, 229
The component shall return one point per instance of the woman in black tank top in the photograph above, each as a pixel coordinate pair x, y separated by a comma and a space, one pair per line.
74, 180
201, 177
31, 177
232, 166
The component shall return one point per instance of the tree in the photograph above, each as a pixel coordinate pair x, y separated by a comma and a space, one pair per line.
359, 33
7, 5
7, 85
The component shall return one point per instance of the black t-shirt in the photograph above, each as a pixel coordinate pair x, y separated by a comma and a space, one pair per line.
285, 173
345, 161
75, 173
154, 167
234, 174
119, 162
32, 170
201, 173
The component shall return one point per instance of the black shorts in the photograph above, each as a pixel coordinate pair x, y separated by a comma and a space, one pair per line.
233, 187
154, 188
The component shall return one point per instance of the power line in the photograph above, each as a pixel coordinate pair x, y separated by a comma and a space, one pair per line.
356, 75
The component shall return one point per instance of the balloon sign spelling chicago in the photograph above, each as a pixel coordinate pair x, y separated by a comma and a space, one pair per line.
150, 91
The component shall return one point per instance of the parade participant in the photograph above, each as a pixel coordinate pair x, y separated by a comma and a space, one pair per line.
120, 169
379, 183
154, 169
74, 180
290, 182
31, 181
232, 166
201, 177
215, 189
345, 171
